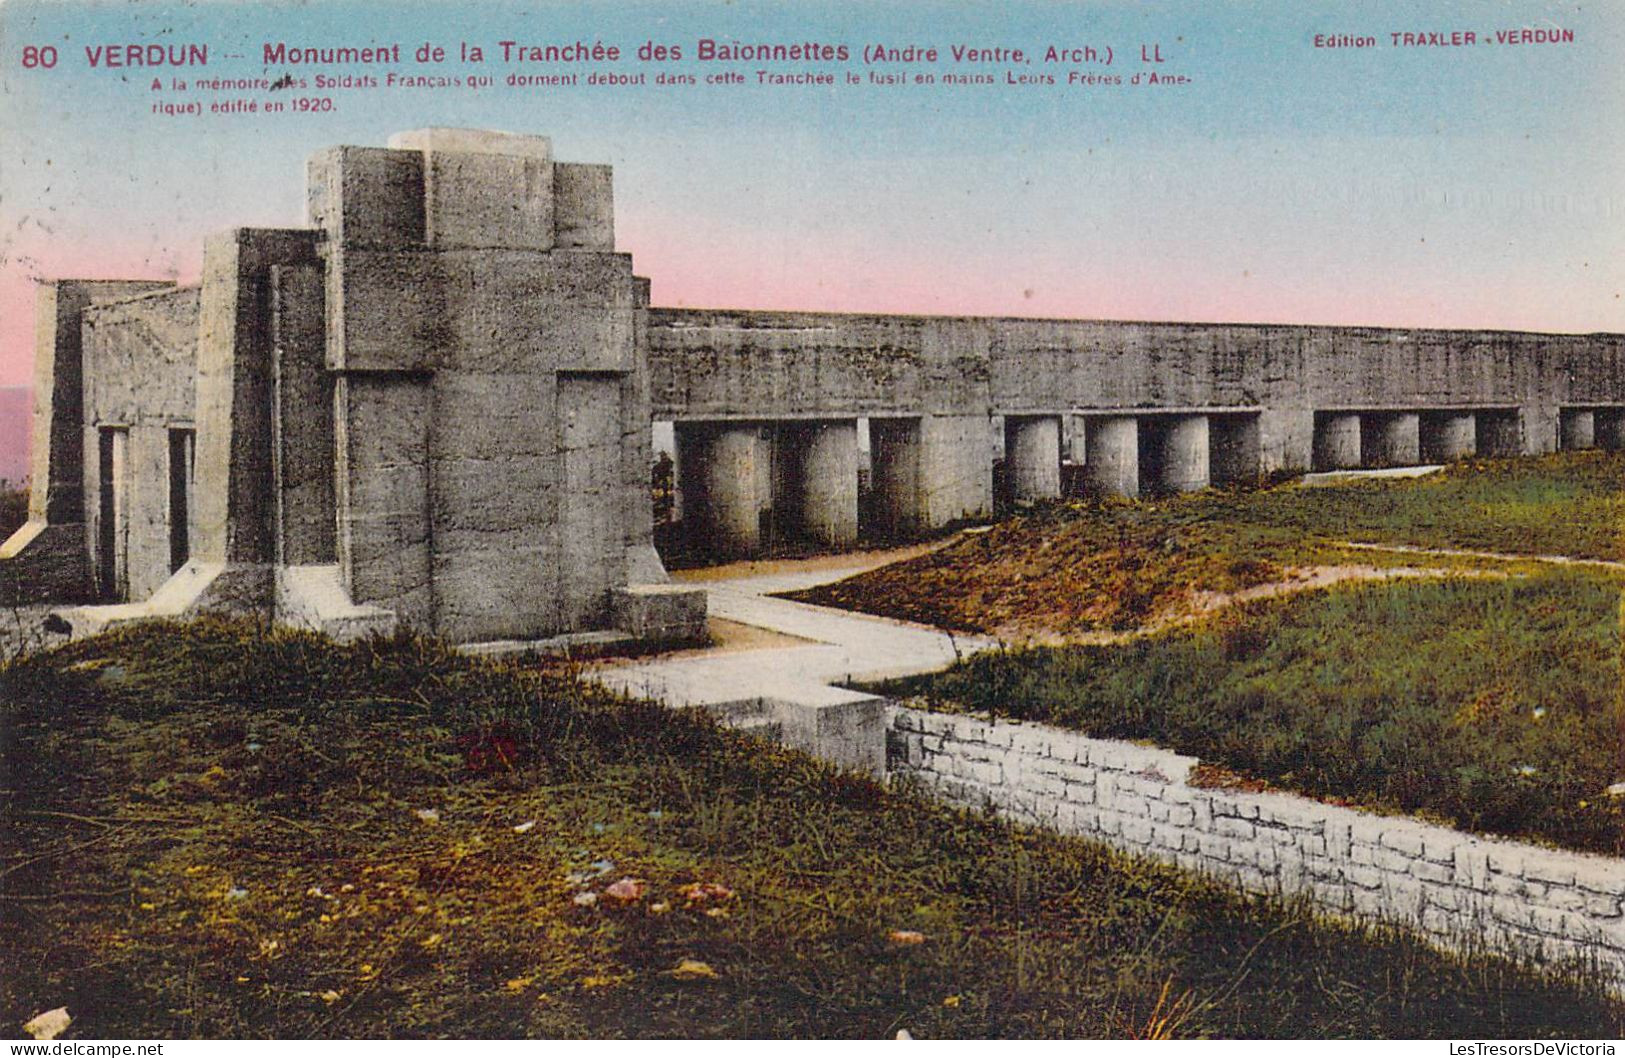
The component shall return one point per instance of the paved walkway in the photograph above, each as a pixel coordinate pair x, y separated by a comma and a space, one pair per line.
841, 647
1497, 556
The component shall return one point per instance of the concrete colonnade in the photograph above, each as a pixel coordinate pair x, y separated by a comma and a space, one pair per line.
1126, 455
740, 482
1403, 437
1594, 427
1376, 438
737, 482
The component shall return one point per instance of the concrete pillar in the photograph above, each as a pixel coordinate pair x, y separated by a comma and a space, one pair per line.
1578, 428
1390, 439
956, 469
1337, 441
821, 502
1234, 449
719, 464
1114, 455
382, 441
303, 451
1446, 436
1540, 431
1032, 457
894, 482
1610, 428
1286, 439
1183, 460
1499, 434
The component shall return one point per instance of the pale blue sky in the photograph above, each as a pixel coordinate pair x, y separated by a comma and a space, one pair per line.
1451, 186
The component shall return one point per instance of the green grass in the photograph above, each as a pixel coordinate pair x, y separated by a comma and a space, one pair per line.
1089, 565
1488, 704
1572, 503
213, 831
13, 508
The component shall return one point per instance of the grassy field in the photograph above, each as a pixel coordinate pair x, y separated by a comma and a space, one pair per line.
210, 831
1492, 705
1114, 564
13, 508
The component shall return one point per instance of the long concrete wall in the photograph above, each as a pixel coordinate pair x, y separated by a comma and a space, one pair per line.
707, 364
140, 377
48, 559
1158, 406
1458, 889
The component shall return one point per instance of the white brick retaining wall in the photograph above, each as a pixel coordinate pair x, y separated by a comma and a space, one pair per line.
1453, 887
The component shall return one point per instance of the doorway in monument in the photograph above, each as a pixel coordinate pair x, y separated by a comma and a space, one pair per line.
113, 513
182, 446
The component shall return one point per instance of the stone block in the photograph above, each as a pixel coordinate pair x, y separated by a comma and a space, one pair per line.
366, 196
386, 312
583, 207
1552, 868
661, 612
1600, 875
1167, 837
1136, 830
487, 200
1402, 838
1599, 906
1548, 921
473, 141
1429, 871
1564, 899
140, 358
1439, 845
1364, 877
